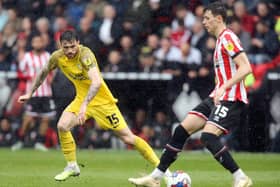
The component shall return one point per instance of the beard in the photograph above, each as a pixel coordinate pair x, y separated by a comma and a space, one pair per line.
38, 50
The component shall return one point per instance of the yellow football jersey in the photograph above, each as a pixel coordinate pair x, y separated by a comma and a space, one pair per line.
76, 71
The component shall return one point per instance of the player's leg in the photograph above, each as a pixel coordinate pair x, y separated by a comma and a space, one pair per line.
191, 124
109, 117
67, 121
210, 138
40, 139
26, 121
220, 119
194, 121
46, 113
139, 144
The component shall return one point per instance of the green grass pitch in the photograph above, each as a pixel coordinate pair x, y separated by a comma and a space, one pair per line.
112, 168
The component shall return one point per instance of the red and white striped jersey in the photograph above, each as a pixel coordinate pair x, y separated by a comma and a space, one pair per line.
227, 47
30, 66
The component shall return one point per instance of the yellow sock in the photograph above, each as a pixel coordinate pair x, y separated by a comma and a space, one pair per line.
146, 151
68, 145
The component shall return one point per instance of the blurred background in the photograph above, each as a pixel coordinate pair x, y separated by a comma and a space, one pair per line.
156, 58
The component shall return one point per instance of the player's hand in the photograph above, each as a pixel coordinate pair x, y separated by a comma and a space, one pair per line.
24, 98
219, 93
82, 114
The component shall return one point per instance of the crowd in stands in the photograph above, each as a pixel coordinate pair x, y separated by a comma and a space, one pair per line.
163, 36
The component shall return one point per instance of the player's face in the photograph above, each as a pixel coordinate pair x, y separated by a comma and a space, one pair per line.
70, 48
37, 43
210, 22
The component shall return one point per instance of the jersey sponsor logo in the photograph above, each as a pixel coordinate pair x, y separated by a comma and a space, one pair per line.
78, 76
230, 46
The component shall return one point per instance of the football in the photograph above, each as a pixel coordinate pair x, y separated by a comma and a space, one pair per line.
179, 179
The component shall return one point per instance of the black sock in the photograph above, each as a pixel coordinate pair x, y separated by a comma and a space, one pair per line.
220, 152
173, 148
40, 138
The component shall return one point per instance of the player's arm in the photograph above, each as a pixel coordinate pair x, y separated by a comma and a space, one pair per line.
94, 76
38, 80
239, 57
244, 68
90, 64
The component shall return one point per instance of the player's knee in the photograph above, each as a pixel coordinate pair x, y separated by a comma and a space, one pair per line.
207, 138
179, 137
62, 127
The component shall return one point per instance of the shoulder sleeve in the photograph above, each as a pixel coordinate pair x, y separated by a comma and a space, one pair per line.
232, 44
88, 59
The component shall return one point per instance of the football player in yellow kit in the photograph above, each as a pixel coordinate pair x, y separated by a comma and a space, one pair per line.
93, 100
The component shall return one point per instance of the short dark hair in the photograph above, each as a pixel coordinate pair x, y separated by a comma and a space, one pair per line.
68, 35
217, 8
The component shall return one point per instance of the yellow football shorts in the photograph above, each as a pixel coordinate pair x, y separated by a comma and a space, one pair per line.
107, 116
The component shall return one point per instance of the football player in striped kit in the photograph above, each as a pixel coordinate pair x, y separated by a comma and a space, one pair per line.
41, 106
221, 110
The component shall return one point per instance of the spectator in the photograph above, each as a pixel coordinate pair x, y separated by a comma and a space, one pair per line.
199, 35
92, 18
147, 133
87, 35
152, 42
140, 119
199, 12
13, 17
244, 36
97, 6
128, 52
4, 17
190, 55
74, 11
147, 61
32, 8
180, 35
95, 138
20, 49
265, 45
4, 94
168, 57
26, 26
138, 13
43, 26
247, 21
265, 13
191, 61
161, 15
5, 64
109, 31
184, 14
115, 63
9, 37
162, 130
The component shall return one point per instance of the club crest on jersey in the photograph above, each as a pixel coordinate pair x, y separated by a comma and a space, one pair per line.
79, 66
230, 46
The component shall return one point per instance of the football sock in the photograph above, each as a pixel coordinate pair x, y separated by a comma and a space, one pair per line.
40, 138
173, 148
157, 174
72, 163
220, 152
238, 174
21, 135
68, 145
146, 151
